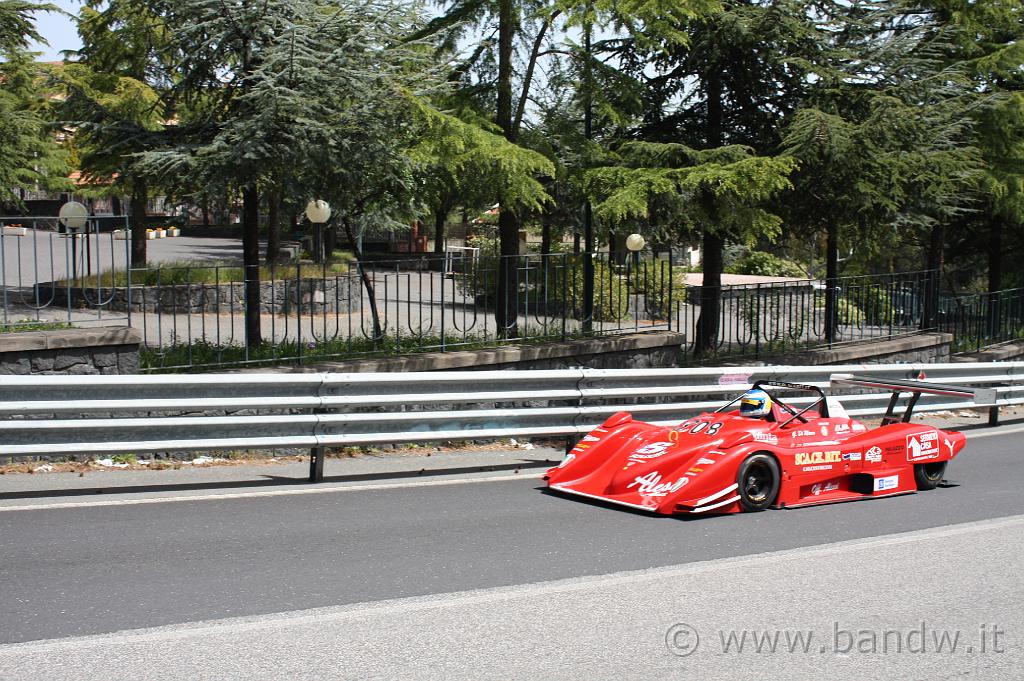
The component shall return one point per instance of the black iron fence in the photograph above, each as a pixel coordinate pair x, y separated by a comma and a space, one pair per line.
50, 276
980, 319
770, 318
194, 316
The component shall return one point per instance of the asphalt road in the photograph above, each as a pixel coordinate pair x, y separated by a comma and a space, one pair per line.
86, 571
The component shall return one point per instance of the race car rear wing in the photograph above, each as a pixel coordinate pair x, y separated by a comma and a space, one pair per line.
980, 396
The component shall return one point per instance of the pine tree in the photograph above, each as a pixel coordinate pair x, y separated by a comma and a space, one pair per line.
112, 100
719, 193
31, 153
301, 96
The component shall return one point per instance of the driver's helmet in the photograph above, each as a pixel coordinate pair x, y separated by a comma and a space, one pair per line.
755, 404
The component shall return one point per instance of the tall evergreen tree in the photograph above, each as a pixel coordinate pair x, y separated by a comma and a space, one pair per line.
277, 89
31, 154
113, 101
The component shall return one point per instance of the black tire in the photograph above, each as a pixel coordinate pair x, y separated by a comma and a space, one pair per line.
758, 481
929, 475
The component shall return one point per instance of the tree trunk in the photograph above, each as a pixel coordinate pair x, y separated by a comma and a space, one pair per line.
995, 255
330, 241
712, 244
140, 197
378, 334
440, 215
936, 244
588, 212
251, 264
506, 312
831, 281
545, 233
995, 277
506, 303
710, 294
273, 226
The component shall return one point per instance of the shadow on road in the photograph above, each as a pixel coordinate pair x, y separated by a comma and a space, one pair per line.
268, 481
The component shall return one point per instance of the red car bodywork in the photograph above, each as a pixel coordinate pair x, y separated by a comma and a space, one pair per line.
693, 468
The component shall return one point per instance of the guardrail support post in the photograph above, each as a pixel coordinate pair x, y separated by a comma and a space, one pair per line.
316, 464
993, 415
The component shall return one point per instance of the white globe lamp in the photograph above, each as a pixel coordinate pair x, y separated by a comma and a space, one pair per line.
73, 216
635, 243
318, 211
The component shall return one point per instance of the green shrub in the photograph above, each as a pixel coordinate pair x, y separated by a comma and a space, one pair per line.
766, 265
874, 303
565, 290
552, 286
204, 272
848, 312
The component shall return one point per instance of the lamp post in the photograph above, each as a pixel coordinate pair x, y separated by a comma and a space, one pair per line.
73, 216
318, 212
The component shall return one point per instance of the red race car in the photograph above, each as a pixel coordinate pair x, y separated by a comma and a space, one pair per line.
725, 462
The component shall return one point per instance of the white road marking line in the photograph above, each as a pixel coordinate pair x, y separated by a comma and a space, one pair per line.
263, 493
971, 435
320, 616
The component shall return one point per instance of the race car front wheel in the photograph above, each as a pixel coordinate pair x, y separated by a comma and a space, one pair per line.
758, 481
929, 475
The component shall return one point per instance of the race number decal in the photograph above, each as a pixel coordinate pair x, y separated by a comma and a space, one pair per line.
697, 427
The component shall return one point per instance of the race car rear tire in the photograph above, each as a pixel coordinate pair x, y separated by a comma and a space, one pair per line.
758, 481
929, 475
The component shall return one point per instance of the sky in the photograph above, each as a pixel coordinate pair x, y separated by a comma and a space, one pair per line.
58, 30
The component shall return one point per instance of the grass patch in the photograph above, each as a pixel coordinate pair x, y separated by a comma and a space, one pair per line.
32, 325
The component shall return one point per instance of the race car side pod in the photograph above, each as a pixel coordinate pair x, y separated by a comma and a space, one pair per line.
983, 397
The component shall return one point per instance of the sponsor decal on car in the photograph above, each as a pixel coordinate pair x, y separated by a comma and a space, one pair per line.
830, 486
651, 450
851, 456
809, 458
591, 438
768, 438
949, 445
842, 428
923, 446
808, 469
888, 482
705, 462
650, 485
804, 433
873, 455
824, 430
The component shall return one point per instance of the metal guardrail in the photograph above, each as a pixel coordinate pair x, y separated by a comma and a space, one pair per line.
64, 415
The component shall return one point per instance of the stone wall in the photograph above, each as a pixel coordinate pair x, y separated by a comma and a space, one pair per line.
339, 294
628, 351
1000, 352
927, 348
106, 350
638, 351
